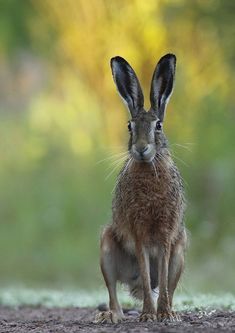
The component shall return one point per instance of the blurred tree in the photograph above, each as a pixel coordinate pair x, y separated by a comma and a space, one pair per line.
71, 119
14, 25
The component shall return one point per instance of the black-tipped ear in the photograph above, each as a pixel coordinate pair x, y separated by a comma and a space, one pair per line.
162, 84
127, 84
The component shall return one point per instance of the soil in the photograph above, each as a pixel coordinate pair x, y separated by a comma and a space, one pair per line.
64, 320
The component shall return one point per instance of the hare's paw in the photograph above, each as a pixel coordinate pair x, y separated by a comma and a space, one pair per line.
147, 317
167, 316
108, 317
176, 316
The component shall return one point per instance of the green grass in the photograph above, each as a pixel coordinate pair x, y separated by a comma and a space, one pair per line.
14, 297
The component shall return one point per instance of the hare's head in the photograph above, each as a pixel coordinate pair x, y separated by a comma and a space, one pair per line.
146, 135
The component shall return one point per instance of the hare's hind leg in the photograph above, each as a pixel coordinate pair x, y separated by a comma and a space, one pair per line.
163, 305
108, 263
176, 265
171, 262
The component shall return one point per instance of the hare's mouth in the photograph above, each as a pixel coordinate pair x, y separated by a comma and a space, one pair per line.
144, 154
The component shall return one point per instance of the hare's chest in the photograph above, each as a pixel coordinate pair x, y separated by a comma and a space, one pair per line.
145, 198
147, 204
139, 203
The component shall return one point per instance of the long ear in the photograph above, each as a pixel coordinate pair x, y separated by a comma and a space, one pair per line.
127, 84
162, 84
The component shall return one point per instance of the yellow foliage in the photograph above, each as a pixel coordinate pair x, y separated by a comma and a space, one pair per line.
91, 32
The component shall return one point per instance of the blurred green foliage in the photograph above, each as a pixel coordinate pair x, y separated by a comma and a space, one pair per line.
60, 115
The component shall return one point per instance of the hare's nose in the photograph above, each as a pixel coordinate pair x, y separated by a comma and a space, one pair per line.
142, 152
141, 149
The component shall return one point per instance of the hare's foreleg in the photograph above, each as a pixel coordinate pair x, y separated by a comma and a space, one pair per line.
148, 312
108, 263
163, 307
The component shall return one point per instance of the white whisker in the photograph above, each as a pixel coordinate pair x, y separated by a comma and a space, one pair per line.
117, 162
179, 159
112, 171
127, 165
181, 146
112, 157
155, 170
159, 161
118, 179
164, 158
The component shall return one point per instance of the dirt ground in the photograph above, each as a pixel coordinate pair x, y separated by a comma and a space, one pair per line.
64, 320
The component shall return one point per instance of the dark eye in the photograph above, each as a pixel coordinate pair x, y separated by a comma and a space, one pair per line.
129, 126
158, 125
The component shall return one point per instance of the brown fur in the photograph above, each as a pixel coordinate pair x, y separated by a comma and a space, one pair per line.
144, 245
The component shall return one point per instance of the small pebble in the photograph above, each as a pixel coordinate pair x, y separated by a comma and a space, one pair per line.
133, 313
102, 307
220, 324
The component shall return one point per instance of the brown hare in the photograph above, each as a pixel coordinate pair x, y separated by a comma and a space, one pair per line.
144, 245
